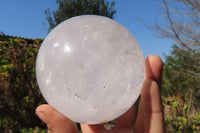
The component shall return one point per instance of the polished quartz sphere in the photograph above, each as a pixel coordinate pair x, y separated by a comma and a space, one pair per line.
90, 68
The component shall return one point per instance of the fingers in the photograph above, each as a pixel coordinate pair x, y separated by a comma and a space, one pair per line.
56, 122
151, 97
152, 107
123, 123
92, 128
153, 67
128, 119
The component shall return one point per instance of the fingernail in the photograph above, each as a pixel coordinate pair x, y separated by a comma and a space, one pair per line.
42, 116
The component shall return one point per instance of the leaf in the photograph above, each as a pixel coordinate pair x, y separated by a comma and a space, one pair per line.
32, 70
185, 107
6, 67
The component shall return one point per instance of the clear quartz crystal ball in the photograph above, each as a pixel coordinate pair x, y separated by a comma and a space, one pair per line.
90, 68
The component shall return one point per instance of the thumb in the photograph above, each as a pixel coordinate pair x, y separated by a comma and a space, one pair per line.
56, 122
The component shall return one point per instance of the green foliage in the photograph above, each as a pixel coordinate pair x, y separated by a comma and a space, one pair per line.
181, 76
176, 117
18, 87
33, 130
71, 8
181, 91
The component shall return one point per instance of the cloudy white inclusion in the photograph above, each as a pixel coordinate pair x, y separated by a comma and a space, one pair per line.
49, 77
55, 44
67, 48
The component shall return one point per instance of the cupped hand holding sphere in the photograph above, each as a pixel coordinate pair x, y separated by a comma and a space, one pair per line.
90, 68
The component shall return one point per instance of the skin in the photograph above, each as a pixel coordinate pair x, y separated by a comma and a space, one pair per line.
149, 118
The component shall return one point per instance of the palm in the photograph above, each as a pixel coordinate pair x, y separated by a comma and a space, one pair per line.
123, 124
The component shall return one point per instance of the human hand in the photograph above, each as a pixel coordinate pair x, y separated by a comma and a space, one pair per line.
149, 118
